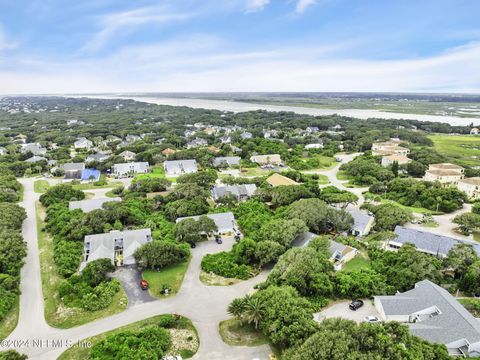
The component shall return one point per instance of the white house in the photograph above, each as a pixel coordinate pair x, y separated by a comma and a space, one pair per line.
83, 143
179, 167
475, 131
471, 186
128, 155
318, 145
130, 169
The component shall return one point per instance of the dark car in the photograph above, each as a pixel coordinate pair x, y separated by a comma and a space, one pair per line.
144, 284
193, 245
218, 240
355, 305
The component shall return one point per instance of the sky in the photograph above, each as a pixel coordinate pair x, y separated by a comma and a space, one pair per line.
95, 46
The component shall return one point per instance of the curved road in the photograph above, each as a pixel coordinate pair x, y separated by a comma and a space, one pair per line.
204, 305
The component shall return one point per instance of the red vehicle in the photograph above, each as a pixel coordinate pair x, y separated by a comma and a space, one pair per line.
144, 284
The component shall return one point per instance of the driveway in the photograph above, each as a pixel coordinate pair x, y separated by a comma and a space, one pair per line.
129, 277
341, 310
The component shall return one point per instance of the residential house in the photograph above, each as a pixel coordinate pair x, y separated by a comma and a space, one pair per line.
226, 161
318, 145
235, 149
72, 170
132, 138
390, 159
117, 246
226, 224
128, 155
280, 180
475, 131
210, 130
83, 143
445, 173
91, 204
34, 148
226, 139
35, 159
471, 186
241, 192
246, 135
390, 147
433, 314
168, 152
99, 157
312, 129
362, 222
272, 159
424, 241
179, 167
3, 151
197, 142
340, 254
130, 169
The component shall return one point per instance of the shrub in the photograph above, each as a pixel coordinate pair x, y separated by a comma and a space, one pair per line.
224, 264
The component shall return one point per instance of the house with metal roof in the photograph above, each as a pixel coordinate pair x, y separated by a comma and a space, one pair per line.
226, 161
179, 167
91, 204
433, 314
426, 242
117, 246
241, 192
129, 169
225, 222
340, 254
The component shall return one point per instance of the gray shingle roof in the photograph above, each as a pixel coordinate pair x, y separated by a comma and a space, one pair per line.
304, 239
239, 191
230, 160
360, 219
224, 221
90, 204
453, 323
178, 167
128, 168
103, 245
72, 167
428, 242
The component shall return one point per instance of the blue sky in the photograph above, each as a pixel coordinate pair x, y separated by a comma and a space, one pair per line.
57, 46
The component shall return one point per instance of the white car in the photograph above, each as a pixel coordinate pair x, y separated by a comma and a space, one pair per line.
372, 319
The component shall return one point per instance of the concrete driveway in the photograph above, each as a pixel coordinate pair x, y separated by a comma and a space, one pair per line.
341, 310
129, 277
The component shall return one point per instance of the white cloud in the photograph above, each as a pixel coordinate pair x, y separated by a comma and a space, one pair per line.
256, 5
203, 63
302, 5
126, 21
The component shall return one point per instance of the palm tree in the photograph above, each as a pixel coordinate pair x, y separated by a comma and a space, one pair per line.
237, 308
253, 310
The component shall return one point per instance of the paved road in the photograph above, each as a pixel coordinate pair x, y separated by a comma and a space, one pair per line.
204, 305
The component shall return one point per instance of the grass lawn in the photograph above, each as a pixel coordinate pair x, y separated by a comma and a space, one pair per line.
341, 175
216, 280
254, 171
472, 305
464, 149
56, 314
323, 179
359, 262
184, 338
418, 210
171, 276
476, 236
156, 172
234, 333
91, 186
9, 322
40, 186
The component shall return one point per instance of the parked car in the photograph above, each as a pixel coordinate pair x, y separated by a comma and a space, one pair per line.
372, 319
144, 284
218, 240
193, 245
355, 305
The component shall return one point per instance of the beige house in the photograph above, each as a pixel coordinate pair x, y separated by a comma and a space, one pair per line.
390, 159
271, 159
445, 173
390, 147
471, 186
